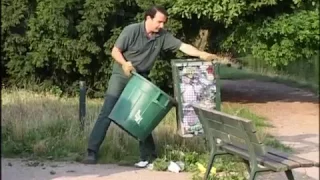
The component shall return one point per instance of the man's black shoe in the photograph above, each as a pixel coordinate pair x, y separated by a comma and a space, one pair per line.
91, 158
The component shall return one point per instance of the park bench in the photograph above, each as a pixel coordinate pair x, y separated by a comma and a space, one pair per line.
237, 136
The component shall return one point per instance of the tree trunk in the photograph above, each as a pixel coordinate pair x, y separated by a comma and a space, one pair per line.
201, 41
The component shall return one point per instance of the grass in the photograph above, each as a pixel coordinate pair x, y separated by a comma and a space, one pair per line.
44, 126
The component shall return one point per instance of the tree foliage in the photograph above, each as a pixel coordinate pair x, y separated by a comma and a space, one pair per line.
225, 11
279, 40
54, 44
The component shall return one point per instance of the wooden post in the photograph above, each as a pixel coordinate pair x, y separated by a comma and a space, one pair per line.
218, 86
82, 104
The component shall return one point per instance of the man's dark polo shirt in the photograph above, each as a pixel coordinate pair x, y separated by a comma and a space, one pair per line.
141, 50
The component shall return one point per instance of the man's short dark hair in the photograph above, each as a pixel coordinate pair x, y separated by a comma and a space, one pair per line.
153, 10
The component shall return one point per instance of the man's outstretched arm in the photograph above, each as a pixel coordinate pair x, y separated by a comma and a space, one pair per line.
192, 51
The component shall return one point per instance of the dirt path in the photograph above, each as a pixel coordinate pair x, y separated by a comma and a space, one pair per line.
294, 114
16, 169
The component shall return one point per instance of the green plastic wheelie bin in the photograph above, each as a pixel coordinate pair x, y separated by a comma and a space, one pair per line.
140, 107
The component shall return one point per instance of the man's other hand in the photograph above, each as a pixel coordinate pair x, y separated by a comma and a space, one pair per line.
127, 68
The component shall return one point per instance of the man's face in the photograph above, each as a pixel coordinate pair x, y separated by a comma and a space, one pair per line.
157, 22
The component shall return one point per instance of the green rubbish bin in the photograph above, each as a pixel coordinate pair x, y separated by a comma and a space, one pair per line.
140, 107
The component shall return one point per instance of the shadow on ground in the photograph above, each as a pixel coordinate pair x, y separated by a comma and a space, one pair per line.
302, 143
244, 91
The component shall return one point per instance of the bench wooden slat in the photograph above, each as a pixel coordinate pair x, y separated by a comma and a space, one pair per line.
233, 131
258, 148
227, 138
269, 163
210, 115
225, 128
227, 119
289, 163
303, 162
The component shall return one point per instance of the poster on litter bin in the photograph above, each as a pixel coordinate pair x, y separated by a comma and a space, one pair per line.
195, 81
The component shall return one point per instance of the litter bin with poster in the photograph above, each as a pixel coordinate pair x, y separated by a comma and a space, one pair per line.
195, 81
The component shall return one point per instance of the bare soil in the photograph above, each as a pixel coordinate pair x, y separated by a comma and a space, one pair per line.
294, 114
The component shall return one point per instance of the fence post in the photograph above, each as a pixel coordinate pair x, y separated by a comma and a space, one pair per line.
218, 86
82, 104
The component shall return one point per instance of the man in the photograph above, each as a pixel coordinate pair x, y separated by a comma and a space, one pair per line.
136, 49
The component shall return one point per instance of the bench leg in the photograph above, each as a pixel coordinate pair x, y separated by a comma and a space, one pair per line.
253, 175
212, 156
247, 165
253, 171
289, 175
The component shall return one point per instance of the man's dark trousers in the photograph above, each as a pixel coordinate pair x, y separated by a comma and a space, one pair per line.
116, 85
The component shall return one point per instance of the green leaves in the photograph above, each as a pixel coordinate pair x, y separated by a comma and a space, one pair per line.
64, 39
61, 42
280, 40
12, 13
13, 42
224, 11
